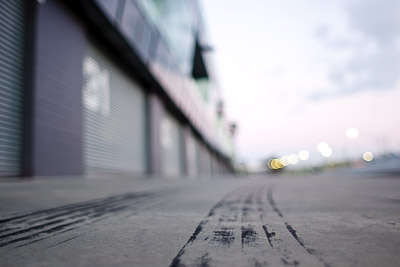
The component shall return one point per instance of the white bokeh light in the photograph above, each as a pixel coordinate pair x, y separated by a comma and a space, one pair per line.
304, 155
293, 159
368, 156
352, 133
322, 146
327, 152
284, 160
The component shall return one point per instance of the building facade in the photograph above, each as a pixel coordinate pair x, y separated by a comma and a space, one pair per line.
99, 86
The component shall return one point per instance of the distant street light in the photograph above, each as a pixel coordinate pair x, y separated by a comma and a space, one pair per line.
368, 156
293, 159
304, 155
284, 160
352, 133
322, 146
325, 150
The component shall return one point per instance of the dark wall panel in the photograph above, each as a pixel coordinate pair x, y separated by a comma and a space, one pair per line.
59, 47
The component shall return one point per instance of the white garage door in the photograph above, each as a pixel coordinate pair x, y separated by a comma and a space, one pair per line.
114, 117
171, 139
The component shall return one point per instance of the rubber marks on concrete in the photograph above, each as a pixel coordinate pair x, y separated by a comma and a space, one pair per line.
292, 231
246, 228
31, 227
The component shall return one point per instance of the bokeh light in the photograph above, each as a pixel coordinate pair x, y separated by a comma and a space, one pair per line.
368, 156
327, 152
352, 133
275, 164
293, 159
269, 164
278, 164
304, 155
284, 160
322, 146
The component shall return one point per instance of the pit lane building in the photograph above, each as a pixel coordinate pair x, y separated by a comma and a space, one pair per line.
99, 86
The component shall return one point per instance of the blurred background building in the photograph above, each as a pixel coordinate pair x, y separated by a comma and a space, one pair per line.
99, 86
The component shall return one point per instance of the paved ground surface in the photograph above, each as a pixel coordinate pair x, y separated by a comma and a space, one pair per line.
334, 219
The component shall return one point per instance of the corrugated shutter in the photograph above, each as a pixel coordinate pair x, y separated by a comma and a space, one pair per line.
199, 158
114, 118
203, 159
192, 168
12, 40
171, 135
206, 161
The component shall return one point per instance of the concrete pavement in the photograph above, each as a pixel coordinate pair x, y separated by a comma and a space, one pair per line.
326, 220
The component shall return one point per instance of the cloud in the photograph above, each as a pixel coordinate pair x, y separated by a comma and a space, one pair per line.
378, 20
373, 46
322, 31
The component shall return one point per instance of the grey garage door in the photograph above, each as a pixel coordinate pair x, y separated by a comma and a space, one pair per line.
191, 155
12, 39
114, 117
171, 139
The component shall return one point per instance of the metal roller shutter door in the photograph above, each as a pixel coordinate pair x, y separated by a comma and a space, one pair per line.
192, 168
114, 118
203, 160
171, 137
206, 161
12, 40
199, 157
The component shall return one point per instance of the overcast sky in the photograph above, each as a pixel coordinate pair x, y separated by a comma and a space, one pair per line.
295, 73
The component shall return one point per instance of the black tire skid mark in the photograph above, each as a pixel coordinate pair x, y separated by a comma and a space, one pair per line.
249, 234
223, 234
258, 211
92, 222
97, 206
269, 235
43, 224
272, 202
274, 241
203, 261
64, 210
292, 231
260, 207
254, 246
147, 204
44, 238
64, 241
38, 234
